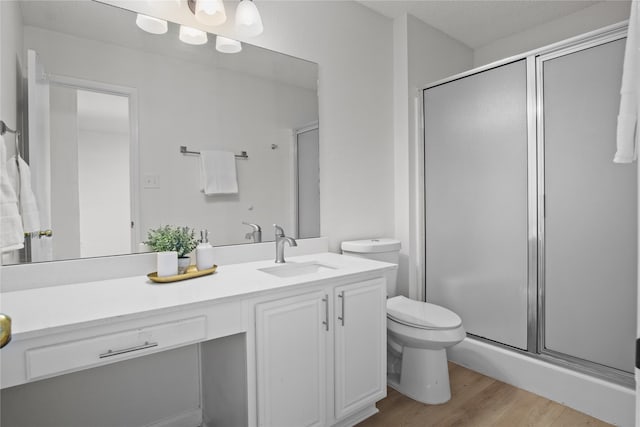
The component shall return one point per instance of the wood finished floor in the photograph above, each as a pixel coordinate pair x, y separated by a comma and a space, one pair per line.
477, 401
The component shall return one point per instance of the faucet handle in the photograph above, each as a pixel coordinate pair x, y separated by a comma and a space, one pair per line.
279, 230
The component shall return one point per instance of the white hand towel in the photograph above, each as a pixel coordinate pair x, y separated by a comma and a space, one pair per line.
19, 171
627, 133
11, 231
218, 172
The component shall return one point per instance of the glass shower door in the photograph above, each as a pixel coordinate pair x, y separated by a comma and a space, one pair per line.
588, 245
476, 193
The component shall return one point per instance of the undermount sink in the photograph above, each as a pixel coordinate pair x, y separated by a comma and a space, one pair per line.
292, 269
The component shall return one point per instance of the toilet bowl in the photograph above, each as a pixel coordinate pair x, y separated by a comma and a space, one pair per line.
424, 331
418, 333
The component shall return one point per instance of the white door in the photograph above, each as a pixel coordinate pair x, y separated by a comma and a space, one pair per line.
590, 212
360, 345
291, 346
39, 153
476, 201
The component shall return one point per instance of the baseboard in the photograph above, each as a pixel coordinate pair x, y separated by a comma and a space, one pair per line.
186, 419
354, 419
601, 399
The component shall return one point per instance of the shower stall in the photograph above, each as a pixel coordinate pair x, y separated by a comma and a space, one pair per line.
530, 227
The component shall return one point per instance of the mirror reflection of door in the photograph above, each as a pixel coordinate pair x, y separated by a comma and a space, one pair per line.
38, 154
308, 182
91, 197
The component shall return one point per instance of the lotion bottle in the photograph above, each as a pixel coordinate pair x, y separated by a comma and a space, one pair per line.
204, 252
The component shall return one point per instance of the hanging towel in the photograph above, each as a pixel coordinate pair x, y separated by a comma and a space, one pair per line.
20, 174
218, 172
627, 132
11, 231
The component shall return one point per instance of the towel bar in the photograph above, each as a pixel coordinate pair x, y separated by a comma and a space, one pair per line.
243, 154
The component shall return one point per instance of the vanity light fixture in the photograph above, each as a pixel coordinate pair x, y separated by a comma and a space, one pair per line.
151, 25
226, 45
248, 20
208, 12
191, 35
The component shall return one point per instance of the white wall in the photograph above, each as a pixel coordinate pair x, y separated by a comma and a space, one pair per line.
65, 199
177, 106
591, 18
423, 55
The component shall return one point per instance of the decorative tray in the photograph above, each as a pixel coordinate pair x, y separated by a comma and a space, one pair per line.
190, 274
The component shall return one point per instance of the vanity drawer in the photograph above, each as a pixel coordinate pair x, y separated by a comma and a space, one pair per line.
75, 355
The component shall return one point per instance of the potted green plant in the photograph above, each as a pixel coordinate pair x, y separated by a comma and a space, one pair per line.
172, 239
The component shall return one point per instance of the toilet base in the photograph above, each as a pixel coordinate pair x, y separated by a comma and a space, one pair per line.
424, 376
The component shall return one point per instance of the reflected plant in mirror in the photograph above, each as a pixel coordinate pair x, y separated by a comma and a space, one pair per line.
106, 107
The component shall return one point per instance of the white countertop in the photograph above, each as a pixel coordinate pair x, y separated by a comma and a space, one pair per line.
43, 310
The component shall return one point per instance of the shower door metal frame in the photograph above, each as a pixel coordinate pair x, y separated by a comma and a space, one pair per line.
536, 197
587, 366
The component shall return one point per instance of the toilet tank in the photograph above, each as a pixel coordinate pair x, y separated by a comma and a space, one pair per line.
387, 250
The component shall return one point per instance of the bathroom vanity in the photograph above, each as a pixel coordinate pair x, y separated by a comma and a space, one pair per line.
306, 339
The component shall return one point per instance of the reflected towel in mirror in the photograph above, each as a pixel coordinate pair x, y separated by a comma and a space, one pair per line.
20, 174
218, 172
11, 231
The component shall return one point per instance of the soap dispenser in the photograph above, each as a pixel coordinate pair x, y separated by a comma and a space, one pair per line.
204, 252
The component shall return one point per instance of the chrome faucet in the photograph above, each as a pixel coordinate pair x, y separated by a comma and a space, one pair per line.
281, 239
256, 234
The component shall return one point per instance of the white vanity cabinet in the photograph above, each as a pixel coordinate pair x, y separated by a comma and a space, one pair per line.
321, 355
291, 353
242, 347
360, 346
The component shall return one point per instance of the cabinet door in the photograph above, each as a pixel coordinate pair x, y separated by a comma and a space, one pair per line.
291, 362
360, 345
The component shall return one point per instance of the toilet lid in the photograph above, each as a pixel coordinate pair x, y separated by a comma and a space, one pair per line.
421, 314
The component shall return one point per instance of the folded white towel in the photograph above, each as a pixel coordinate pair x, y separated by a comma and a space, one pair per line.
627, 133
218, 172
20, 174
11, 231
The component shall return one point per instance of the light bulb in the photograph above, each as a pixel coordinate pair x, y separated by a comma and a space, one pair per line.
248, 20
226, 45
151, 25
210, 12
191, 35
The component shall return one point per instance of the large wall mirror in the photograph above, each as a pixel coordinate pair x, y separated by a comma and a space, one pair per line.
105, 108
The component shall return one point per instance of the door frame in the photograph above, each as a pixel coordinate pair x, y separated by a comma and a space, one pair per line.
134, 149
294, 171
547, 354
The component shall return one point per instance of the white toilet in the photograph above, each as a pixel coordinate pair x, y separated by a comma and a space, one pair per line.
418, 333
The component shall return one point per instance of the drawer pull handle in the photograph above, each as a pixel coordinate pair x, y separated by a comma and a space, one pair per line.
144, 346
341, 296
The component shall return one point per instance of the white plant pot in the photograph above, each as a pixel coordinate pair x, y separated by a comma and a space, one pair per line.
167, 263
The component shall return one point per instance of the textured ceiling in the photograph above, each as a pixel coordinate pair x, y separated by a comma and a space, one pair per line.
479, 22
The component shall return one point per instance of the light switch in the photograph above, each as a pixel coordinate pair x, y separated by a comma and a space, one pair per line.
151, 181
